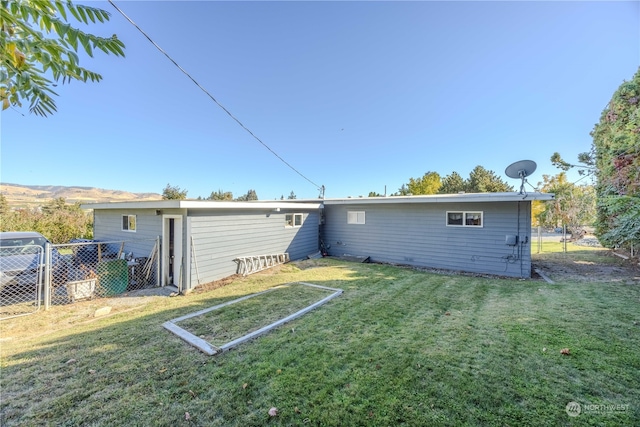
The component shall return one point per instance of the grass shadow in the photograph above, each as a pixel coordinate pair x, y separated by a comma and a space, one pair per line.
399, 347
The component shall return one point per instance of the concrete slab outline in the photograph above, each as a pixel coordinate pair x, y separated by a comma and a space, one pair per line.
212, 350
544, 276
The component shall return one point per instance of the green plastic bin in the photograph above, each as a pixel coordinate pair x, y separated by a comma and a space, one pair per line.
113, 276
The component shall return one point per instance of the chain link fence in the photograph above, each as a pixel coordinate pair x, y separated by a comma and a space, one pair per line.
562, 237
33, 276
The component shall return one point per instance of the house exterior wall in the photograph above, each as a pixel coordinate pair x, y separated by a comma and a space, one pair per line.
107, 226
416, 234
218, 237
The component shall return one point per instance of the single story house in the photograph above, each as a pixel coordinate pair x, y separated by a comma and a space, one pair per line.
201, 241
488, 233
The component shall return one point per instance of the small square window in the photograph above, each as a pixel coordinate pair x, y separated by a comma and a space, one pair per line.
473, 219
129, 223
355, 217
454, 218
293, 220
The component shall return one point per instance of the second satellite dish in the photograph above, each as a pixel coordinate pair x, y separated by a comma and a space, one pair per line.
521, 169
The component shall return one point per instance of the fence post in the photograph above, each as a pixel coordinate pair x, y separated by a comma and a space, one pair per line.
539, 239
564, 239
47, 276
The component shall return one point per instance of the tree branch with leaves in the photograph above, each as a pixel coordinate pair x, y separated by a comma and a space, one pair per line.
39, 46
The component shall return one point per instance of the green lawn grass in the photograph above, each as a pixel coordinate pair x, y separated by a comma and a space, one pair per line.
557, 246
225, 324
398, 347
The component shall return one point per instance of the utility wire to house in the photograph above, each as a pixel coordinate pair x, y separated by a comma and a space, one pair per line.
321, 188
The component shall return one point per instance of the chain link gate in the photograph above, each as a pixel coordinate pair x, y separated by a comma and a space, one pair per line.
22, 272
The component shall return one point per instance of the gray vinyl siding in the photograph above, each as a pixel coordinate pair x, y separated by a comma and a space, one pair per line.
107, 226
416, 234
220, 237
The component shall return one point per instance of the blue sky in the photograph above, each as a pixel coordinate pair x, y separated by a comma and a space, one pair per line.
356, 96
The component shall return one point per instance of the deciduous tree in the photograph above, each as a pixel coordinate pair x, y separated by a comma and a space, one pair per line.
429, 183
4, 206
573, 205
62, 222
614, 160
57, 220
40, 46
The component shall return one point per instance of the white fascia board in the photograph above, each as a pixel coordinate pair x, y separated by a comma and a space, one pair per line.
154, 204
444, 198
202, 204
257, 204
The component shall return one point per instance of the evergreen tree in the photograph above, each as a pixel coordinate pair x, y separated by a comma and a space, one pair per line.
482, 180
220, 195
173, 193
251, 195
452, 184
402, 191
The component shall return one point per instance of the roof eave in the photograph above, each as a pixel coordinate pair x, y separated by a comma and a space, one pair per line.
204, 204
445, 198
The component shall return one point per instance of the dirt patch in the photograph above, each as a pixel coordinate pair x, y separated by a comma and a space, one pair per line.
207, 287
588, 266
306, 264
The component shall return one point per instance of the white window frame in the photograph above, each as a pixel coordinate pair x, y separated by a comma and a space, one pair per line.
296, 221
464, 219
356, 217
129, 218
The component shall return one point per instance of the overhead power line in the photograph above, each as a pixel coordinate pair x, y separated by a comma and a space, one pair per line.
321, 188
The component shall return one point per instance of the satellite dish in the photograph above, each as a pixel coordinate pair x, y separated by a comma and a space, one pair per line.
521, 169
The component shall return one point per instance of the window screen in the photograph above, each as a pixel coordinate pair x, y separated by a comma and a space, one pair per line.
128, 222
355, 217
464, 219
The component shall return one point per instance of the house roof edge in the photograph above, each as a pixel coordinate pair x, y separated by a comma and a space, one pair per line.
444, 198
204, 204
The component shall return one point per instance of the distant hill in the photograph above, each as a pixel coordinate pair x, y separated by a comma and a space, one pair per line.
37, 195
